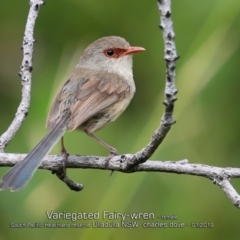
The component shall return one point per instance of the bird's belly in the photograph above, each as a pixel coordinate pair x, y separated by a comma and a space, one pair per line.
105, 116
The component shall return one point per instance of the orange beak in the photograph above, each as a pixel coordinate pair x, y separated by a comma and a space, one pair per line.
132, 50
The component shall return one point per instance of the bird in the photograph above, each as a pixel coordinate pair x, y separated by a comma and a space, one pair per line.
99, 89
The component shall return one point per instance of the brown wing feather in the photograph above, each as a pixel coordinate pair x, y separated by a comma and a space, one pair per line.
83, 110
54, 112
106, 93
87, 96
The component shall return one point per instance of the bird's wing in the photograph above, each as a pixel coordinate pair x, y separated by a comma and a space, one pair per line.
55, 110
87, 96
96, 94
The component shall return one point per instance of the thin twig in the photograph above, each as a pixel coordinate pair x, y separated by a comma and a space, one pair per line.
25, 74
170, 57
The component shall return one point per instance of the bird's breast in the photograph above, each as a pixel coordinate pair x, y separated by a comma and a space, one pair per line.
108, 114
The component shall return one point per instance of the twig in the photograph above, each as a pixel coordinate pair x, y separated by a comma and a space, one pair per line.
170, 58
25, 74
71, 184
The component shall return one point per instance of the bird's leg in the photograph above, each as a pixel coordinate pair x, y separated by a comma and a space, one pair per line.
113, 151
65, 155
61, 172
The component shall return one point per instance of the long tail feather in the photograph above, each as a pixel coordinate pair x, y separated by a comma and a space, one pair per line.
23, 171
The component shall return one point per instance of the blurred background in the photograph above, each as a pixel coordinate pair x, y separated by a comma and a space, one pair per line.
207, 114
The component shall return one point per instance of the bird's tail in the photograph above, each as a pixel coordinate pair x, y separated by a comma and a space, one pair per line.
23, 171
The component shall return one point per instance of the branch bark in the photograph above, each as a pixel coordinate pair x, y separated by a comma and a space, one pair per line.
128, 163
219, 176
170, 57
25, 74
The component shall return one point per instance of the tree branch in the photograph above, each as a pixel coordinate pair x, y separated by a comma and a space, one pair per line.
170, 57
25, 74
219, 176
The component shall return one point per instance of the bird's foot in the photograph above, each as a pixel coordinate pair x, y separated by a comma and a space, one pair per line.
113, 153
65, 155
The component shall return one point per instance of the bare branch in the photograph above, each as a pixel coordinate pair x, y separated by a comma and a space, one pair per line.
170, 58
25, 73
219, 176
232, 194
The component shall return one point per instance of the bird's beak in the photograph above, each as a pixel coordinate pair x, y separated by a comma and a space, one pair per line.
132, 50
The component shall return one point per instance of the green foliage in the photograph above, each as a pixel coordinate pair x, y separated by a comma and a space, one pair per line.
207, 115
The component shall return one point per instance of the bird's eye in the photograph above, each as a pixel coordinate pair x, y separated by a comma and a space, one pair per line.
110, 52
